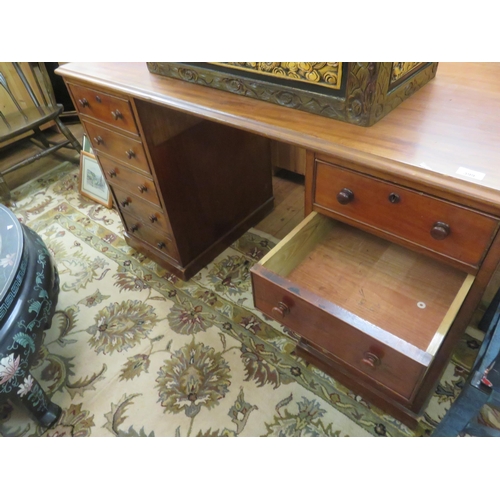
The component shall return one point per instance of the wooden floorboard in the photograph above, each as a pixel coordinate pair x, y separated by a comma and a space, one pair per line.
289, 204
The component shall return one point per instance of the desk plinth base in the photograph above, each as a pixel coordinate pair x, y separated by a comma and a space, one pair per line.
314, 357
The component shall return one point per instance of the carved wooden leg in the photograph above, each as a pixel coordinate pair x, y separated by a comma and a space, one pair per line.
33, 398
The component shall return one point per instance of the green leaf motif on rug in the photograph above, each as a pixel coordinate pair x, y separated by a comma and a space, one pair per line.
83, 269
94, 299
117, 416
121, 326
127, 281
134, 366
74, 422
306, 422
231, 275
240, 411
187, 318
256, 366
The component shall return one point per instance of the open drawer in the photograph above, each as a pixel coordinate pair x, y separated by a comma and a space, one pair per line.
375, 308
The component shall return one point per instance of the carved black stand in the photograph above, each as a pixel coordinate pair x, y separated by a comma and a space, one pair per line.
29, 287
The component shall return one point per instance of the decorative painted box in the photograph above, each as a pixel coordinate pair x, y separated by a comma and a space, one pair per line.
359, 93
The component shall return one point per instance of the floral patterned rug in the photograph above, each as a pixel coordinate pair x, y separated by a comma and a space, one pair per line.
134, 351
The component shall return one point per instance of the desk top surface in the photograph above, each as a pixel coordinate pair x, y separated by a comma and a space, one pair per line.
446, 135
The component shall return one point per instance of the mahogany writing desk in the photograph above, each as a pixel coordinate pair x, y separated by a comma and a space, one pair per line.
401, 237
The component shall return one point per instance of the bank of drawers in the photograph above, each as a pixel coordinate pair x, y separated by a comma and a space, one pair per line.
109, 123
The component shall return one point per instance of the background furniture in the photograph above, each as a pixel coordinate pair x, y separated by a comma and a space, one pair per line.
29, 114
417, 195
29, 287
61, 93
478, 404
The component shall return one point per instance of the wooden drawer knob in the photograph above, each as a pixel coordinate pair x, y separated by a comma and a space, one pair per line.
83, 103
98, 99
345, 196
112, 173
371, 360
440, 230
117, 114
130, 154
281, 310
142, 188
394, 198
153, 218
99, 140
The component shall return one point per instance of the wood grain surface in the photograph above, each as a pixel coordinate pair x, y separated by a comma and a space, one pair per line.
453, 122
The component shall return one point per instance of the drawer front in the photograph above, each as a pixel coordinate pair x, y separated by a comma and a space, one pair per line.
382, 366
137, 207
160, 240
130, 180
451, 230
110, 109
118, 146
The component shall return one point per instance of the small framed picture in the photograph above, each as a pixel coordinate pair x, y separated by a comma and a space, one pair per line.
92, 182
86, 146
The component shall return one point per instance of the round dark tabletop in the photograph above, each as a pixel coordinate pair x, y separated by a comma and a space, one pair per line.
11, 249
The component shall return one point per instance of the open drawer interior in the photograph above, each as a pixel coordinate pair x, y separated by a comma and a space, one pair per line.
411, 296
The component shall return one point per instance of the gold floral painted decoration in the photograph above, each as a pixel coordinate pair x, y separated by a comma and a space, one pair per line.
327, 74
401, 69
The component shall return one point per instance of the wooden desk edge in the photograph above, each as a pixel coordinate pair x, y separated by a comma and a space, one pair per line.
467, 193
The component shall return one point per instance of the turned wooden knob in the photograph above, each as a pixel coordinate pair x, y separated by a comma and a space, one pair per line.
440, 230
117, 114
394, 198
83, 103
371, 360
161, 245
130, 154
134, 228
124, 203
281, 310
99, 139
345, 196
142, 189
153, 218
112, 173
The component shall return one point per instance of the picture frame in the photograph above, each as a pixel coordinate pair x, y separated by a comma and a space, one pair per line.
86, 146
93, 185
